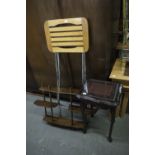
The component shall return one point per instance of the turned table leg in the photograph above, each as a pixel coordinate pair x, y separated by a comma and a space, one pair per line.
113, 111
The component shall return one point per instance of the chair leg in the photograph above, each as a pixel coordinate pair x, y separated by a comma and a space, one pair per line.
91, 106
113, 111
51, 105
82, 106
58, 76
44, 106
71, 109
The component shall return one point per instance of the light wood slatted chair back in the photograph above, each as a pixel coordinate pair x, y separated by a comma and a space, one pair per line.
67, 35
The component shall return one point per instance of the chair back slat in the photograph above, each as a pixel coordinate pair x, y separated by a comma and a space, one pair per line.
74, 21
62, 34
68, 50
65, 28
67, 39
59, 44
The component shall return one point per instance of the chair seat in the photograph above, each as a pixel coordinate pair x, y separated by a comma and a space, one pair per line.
101, 92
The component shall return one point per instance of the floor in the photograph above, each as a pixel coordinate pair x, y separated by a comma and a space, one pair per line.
44, 139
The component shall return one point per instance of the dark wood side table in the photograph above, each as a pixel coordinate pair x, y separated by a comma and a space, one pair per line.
101, 94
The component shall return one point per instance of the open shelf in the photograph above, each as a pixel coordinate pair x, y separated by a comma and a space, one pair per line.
77, 109
121, 46
69, 91
64, 122
46, 104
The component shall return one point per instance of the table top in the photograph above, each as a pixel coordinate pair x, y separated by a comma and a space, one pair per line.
119, 71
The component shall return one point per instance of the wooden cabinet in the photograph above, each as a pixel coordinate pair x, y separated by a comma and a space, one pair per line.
120, 73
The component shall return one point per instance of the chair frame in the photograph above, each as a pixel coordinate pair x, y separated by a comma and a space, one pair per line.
67, 36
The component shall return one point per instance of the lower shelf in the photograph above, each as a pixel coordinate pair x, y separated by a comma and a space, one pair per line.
64, 122
77, 109
45, 104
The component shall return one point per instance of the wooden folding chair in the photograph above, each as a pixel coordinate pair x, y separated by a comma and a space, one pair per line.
67, 36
